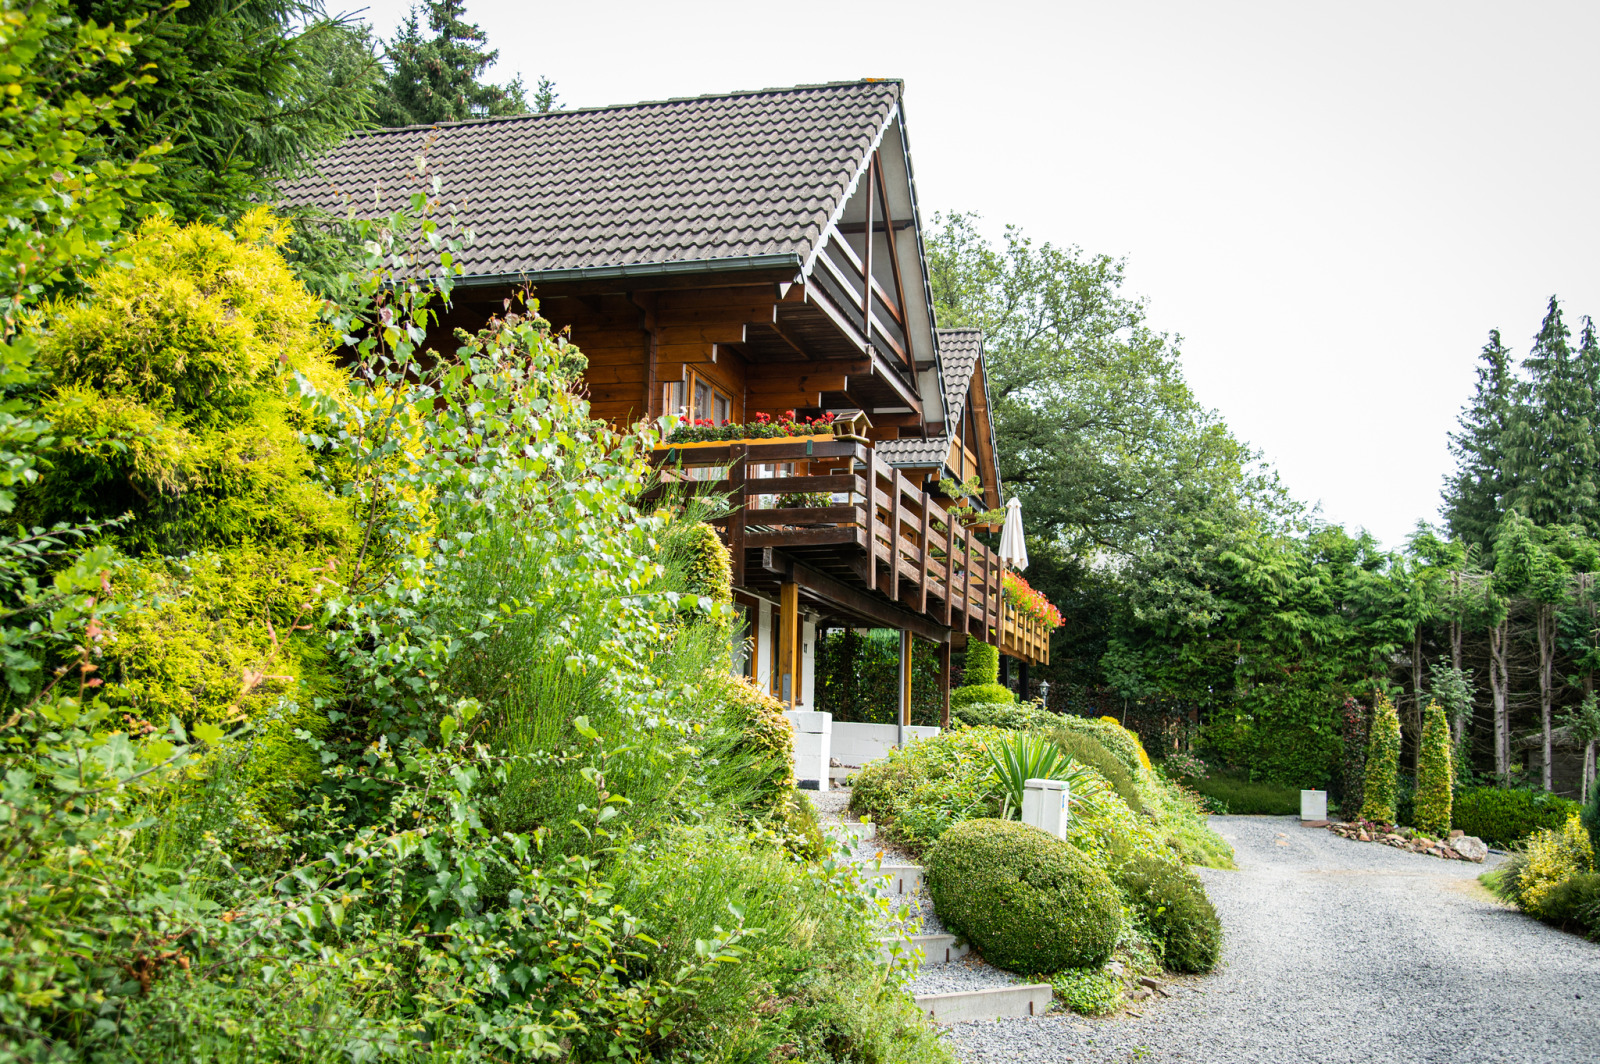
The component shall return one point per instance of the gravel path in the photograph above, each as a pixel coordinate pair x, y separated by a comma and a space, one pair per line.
1341, 952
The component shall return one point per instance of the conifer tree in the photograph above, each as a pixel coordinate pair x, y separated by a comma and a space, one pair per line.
436, 78
1473, 494
247, 93
1383, 763
1550, 458
1435, 774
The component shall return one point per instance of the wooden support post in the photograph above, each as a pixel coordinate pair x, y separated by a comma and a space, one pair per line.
905, 678
1022, 680
736, 520
789, 643
944, 684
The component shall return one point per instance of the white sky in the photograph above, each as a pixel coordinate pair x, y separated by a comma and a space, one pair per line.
1332, 203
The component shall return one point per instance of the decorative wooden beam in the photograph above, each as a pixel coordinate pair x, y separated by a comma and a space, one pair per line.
831, 589
878, 227
894, 249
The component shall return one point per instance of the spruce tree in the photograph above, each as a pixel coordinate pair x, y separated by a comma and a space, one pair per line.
436, 78
246, 94
1473, 494
1551, 456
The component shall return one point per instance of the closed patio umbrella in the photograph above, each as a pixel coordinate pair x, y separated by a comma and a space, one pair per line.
1013, 550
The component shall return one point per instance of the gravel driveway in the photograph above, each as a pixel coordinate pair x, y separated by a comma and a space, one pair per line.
1342, 952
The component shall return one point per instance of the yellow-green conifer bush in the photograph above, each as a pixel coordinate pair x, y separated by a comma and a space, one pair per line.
1435, 774
176, 386
1383, 763
1552, 857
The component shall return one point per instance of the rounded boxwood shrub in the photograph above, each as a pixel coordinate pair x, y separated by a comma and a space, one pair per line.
987, 694
1027, 900
1087, 750
1177, 915
1014, 716
1501, 816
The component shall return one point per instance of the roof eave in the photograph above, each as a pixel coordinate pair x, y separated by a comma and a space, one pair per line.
784, 262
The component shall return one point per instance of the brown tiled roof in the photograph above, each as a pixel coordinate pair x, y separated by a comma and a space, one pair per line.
959, 353
708, 179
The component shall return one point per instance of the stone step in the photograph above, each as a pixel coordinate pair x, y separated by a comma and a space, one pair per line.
1001, 1002
860, 830
936, 949
901, 878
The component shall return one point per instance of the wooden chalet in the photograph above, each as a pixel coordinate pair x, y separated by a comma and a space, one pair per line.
723, 257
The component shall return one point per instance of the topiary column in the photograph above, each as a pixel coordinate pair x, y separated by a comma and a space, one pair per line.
1383, 763
983, 664
1434, 773
979, 680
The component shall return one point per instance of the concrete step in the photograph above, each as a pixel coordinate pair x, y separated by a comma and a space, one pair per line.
860, 830
936, 949
1002, 1002
901, 878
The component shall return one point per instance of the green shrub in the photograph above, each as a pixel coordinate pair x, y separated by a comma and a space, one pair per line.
982, 664
983, 693
1501, 816
1114, 737
1238, 796
1085, 749
710, 568
1177, 917
1552, 857
812, 977
919, 791
1576, 901
1017, 716
802, 828
1435, 775
1383, 763
1027, 900
763, 737
1088, 991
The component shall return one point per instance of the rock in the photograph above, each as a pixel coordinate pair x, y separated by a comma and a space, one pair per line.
1470, 847
1456, 834
834, 762
1116, 969
1363, 836
1141, 993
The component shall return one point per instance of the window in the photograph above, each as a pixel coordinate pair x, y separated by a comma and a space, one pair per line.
698, 398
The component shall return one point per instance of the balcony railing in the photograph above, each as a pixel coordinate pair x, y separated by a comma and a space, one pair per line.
1024, 636
878, 531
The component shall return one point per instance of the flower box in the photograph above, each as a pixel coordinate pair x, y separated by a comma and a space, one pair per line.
818, 438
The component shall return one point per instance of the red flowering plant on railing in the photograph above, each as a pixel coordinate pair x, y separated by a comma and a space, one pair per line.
1028, 601
764, 427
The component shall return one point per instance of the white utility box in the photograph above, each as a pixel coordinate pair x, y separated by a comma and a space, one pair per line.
1044, 805
1314, 806
813, 748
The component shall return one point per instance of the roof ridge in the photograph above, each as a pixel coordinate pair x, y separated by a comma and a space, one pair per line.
533, 115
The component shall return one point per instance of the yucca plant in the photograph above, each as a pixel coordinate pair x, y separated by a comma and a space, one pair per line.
1033, 757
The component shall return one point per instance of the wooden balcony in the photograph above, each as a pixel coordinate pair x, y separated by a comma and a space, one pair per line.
880, 553
1023, 636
